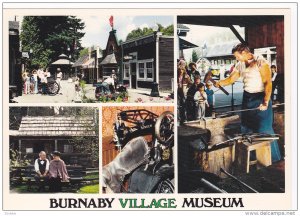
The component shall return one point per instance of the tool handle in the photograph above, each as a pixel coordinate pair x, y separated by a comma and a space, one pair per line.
220, 87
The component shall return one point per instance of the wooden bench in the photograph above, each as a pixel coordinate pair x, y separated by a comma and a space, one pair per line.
77, 174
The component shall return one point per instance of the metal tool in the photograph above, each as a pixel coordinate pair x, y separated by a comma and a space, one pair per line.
208, 77
245, 110
239, 181
212, 186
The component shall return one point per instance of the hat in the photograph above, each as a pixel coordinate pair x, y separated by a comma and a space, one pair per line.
56, 153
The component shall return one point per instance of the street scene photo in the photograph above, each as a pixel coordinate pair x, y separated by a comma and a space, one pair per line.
91, 59
230, 104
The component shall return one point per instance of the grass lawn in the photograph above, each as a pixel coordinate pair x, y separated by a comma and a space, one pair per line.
89, 189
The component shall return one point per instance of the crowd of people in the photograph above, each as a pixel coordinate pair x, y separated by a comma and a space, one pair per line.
36, 81
51, 173
195, 98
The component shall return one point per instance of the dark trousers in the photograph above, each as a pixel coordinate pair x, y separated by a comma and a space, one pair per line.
55, 184
256, 121
209, 110
41, 181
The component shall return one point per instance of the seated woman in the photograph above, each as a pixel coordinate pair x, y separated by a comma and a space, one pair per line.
57, 172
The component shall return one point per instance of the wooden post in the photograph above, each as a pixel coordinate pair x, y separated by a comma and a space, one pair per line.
20, 151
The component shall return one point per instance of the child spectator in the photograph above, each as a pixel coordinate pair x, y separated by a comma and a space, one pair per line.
200, 98
210, 99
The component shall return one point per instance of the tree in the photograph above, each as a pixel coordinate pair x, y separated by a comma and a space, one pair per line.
84, 52
50, 36
195, 56
169, 30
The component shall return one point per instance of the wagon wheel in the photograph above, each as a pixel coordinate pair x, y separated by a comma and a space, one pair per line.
165, 186
164, 127
52, 88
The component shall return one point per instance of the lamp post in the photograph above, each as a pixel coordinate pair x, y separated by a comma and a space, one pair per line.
69, 61
30, 58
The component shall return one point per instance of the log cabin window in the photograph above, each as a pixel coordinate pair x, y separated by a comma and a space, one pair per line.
126, 70
68, 148
145, 70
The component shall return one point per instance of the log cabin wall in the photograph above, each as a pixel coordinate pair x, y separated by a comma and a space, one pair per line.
108, 118
268, 34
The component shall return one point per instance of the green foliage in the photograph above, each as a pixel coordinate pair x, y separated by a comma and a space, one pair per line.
15, 159
84, 52
88, 144
50, 36
89, 189
195, 56
169, 30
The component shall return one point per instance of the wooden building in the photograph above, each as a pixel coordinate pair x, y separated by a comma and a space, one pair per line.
260, 31
112, 56
53, 133
148, 60
15, 73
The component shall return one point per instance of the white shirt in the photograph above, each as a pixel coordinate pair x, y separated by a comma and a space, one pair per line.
109, 81
274, 76
251, 75
198, 98
36, 165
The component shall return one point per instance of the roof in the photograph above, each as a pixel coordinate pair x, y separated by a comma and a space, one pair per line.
63, 62
185, 44
109, 59
13, 25
222, 49
53, 126
226, 21
80, 61
89, 63
183, 27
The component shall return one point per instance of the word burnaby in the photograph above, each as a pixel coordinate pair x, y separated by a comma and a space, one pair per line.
210, 202
81, 203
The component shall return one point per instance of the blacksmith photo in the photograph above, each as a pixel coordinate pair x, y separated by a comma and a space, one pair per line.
231, 104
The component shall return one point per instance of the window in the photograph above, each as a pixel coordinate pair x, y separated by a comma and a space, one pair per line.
145, 70
141, 70
68, 148
126, 70
149, 69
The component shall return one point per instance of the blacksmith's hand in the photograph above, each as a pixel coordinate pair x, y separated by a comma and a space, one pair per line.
263, 107
217, 84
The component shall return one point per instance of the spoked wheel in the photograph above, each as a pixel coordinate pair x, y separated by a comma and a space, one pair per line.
53, 88
164, 127
165, 186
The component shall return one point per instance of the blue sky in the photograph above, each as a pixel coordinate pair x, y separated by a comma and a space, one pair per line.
97, 27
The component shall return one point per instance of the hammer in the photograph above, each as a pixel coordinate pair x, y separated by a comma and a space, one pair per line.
208, 77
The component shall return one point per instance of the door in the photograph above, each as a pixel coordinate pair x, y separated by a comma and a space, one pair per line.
133, 75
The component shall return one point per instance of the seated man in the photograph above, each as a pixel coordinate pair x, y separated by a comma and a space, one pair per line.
41, 166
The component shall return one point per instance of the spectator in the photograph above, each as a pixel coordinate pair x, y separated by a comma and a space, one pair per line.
200, 98
210, 99
190, 103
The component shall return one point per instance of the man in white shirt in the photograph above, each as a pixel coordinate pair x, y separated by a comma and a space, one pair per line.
41, 167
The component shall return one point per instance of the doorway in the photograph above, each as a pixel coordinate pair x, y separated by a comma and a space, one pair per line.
133, 75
